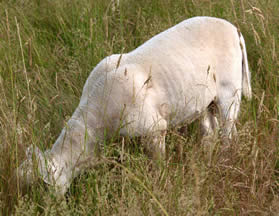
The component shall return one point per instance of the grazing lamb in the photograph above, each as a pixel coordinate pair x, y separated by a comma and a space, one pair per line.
170, 79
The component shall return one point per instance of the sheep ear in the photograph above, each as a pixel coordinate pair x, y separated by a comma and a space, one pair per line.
45, 166
33, 150
43, 161
29, 151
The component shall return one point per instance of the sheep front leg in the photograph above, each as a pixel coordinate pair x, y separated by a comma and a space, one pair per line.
158, 145
155, 144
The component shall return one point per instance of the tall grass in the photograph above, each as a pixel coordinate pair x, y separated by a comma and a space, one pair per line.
47, 50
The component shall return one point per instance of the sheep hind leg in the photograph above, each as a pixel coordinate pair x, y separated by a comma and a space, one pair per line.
209, 128
229, 109
209, 124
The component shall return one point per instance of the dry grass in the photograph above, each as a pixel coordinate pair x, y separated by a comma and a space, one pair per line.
48, 48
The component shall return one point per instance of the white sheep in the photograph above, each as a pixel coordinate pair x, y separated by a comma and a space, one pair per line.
170, 79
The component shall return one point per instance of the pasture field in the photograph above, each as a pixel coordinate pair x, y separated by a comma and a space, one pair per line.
47, 50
